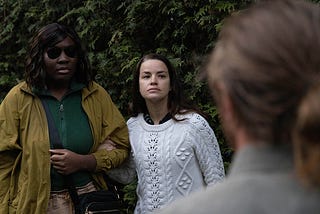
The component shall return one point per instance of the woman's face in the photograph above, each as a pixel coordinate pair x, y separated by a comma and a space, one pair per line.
154, 81
61, 62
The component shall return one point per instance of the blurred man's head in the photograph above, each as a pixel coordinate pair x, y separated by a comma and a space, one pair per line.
261, 67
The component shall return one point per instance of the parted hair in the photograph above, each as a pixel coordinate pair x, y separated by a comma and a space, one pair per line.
48, 36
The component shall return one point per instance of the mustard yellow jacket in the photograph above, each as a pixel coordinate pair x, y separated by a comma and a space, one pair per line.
24, 146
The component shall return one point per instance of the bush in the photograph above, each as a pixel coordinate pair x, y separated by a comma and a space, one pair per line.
117, 34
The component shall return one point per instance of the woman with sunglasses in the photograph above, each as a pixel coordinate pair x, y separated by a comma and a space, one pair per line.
33, 170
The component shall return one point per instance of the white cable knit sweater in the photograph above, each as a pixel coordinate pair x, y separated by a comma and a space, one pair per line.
172, 160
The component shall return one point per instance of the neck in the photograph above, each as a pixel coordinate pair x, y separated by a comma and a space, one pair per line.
157, 111
242, 139
58, 90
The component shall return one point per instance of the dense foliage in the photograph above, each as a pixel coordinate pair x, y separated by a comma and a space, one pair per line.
117, 33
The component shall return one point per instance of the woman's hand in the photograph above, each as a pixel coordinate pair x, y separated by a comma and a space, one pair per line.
67, 162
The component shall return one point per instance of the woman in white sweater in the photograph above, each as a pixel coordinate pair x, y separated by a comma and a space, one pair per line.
174, 150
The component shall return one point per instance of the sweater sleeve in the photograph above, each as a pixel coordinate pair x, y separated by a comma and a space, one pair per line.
125, 173
207, 151
9, 147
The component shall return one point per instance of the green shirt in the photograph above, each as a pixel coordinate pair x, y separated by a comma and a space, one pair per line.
74, 130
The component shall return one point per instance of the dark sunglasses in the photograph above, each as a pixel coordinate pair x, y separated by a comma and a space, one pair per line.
55, 52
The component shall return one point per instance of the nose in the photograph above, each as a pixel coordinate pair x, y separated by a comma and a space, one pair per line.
153, 79
63, 58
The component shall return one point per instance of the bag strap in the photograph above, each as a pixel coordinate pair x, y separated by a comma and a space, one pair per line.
53, 132
57, 144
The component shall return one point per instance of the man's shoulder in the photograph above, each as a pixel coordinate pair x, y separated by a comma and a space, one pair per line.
245, 195
199, 202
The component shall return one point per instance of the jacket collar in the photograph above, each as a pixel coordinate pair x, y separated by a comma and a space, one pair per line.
24, 87
91, 88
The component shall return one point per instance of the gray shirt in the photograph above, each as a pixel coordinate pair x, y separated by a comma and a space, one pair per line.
261, 181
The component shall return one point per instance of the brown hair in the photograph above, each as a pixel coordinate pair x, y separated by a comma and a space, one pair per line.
267, 57
306, 137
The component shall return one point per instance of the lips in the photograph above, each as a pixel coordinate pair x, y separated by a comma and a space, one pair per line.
63, 70
153, 89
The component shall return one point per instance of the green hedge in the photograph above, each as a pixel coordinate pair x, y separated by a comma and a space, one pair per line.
117, 33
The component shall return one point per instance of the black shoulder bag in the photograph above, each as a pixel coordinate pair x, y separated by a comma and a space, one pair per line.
101, 201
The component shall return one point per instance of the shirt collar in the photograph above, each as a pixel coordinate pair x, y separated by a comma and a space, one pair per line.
148, 119
74, 86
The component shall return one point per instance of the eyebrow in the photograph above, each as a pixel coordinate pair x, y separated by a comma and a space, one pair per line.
158, 72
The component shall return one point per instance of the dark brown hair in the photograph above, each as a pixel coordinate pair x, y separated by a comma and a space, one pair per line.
48, 36
177, 104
